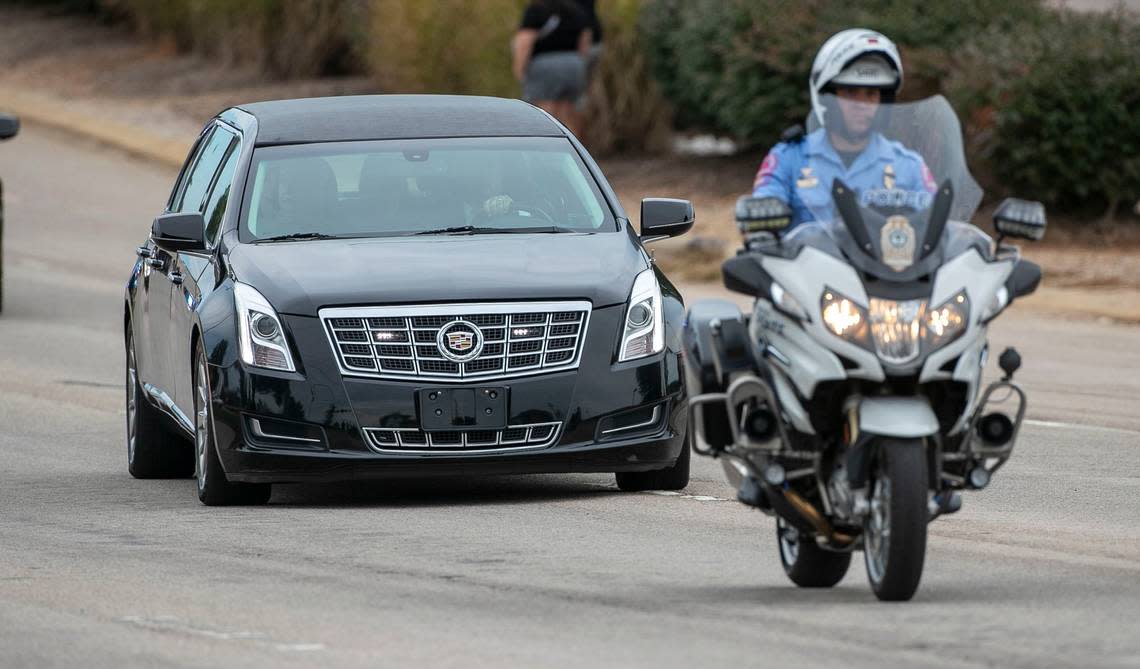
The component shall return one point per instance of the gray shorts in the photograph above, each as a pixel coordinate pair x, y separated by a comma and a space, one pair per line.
555, 75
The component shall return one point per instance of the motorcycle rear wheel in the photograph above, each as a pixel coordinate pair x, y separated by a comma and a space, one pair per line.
806, 564
894, 532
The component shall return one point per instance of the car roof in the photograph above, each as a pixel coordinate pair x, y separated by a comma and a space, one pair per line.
368, 117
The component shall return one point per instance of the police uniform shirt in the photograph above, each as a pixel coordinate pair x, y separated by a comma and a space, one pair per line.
801, 173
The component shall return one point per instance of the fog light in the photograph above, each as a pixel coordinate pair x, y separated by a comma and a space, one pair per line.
774, 474
979, 478
995, 429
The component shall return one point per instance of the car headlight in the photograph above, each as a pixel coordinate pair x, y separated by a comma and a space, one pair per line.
844, 318
644, 330
262, 339
947, 322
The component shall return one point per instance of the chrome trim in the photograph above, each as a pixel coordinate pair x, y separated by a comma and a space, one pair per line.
651, 421
464, 445
459, 312
255, 427
780, 357
167, 406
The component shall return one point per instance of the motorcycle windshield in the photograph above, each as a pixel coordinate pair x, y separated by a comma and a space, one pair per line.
884, 179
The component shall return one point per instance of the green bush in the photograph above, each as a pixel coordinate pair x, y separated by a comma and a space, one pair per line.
626, 112
452, 46
1056, 112
741, 66
285, 38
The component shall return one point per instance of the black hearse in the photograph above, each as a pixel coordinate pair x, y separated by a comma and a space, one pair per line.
378, 286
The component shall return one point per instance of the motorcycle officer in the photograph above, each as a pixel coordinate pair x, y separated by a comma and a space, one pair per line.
855, 72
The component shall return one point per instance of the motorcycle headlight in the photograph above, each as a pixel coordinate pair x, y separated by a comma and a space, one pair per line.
896, 328
262, 339
948, 321
644, 330
844, 318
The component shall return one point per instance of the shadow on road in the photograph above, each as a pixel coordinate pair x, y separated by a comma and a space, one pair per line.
436, 492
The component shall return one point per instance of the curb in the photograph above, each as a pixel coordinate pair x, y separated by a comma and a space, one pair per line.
52, 112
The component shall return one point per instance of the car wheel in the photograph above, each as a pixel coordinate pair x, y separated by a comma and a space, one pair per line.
675, 477
152, 451
806, 564
213, 488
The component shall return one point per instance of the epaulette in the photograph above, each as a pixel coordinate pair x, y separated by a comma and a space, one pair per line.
793, 135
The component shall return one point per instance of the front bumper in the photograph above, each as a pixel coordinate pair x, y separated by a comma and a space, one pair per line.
337, 409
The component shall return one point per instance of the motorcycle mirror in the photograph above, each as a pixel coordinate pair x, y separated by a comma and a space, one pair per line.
9, 126
1023, 219
762, 214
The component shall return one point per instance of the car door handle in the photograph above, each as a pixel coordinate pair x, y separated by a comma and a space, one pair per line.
143, 252
157, 263
176, 278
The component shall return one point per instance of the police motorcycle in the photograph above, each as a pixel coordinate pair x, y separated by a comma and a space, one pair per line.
849, 404
9, 126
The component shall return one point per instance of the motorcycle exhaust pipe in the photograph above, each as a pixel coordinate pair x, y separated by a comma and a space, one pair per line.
809, 513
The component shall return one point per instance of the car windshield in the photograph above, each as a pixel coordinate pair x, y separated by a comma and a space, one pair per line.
906, 179
407, 187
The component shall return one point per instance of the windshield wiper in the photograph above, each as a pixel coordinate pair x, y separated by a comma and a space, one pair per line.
297, 236
476, 230
449, 231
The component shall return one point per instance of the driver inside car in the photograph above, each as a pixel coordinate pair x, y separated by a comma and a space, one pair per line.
854, 74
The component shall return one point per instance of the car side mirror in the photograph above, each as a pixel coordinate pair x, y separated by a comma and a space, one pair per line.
663, 217
1023, 219
762, 214
9, 126
179, 232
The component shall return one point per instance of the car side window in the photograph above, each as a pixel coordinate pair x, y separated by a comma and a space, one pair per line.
202, 174
187, 168
219, 197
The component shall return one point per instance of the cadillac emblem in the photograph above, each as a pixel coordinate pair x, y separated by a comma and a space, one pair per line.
460, 341
897, 242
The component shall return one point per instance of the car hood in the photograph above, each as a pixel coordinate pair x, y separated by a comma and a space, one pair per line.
304, 276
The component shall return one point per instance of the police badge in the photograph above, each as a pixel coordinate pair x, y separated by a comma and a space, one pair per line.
897, 243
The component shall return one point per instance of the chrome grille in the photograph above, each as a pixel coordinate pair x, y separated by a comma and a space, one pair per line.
519, 339
537, 435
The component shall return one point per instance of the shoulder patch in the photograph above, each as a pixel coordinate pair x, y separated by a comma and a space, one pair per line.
767, 169
928, 179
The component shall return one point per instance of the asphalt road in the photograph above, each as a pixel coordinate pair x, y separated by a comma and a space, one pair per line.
98, 569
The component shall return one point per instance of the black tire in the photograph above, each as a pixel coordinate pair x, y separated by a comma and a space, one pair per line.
806, 564
153, 452
894, 566
675, 477
213, 488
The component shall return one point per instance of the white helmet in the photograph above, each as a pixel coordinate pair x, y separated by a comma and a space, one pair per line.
855, 57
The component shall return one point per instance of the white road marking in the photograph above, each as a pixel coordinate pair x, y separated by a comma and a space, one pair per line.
695, 498
176, 626
1077, 426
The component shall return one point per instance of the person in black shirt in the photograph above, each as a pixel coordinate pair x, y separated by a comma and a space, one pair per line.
550, 52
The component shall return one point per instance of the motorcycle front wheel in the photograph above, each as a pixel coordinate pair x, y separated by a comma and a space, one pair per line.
805, 563
894, 531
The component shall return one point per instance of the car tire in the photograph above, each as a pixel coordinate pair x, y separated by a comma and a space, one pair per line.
806, 564
213, 488
674, 477
153, 452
